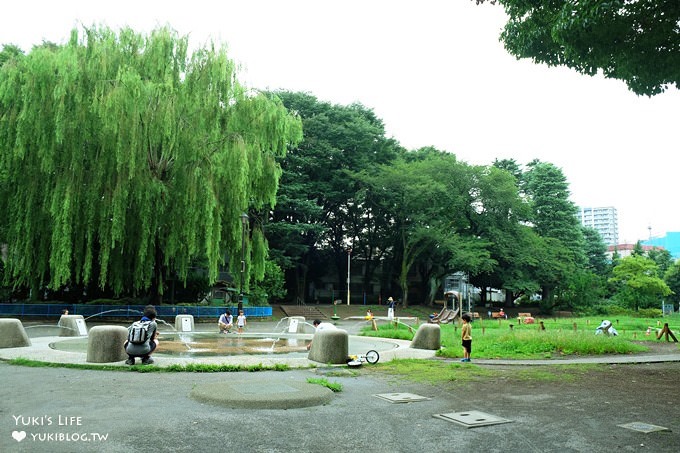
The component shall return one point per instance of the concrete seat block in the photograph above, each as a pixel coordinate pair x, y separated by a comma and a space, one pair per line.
106, 344
184, 323
296, 324
72, 326
13, 334
428, 336
330, 346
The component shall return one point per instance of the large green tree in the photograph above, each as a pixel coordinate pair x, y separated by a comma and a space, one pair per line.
499, 214
424, 196
318, 214
595, 251
638, 283
124, 158
662, 258
672, 279
637, 42
554, 219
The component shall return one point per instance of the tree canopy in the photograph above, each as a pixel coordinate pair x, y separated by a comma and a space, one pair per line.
640, 284
637, 42
318, 215
436, 230
672, 279
124, 158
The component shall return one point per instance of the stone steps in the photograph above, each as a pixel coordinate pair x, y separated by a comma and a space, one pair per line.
302, 310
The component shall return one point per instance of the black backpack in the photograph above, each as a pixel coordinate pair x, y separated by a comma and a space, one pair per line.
139, 332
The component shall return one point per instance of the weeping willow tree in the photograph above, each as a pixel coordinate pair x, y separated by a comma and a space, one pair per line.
126, 158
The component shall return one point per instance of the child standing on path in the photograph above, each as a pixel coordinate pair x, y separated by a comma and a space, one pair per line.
466, 337
241, 321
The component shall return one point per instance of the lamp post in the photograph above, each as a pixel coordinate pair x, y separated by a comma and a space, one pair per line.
244, 227
467, 290
349, 254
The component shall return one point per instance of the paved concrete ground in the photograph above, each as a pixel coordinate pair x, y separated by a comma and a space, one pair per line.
66, 410
154, 412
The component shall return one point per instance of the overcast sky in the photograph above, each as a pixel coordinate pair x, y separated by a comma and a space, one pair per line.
436, 74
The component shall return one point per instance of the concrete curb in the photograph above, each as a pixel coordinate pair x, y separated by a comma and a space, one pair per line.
262, 394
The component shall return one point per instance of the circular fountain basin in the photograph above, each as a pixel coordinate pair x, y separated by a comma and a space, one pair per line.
210, 344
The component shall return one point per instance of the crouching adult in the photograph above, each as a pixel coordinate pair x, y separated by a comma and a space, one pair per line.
319, 326
226, 322
142, 337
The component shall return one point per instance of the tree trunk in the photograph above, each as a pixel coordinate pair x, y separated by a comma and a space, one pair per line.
404, 291
156, 293
509, 299
403, 283
546, 299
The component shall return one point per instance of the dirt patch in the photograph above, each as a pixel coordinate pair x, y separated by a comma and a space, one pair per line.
660, 347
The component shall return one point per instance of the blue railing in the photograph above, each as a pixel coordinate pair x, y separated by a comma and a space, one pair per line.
126, 311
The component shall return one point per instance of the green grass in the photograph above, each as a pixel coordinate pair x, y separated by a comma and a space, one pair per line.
435, 372
190, 368
334, 386
535, 344
561, 337
399, 332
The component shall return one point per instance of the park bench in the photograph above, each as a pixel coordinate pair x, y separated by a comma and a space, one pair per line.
475, 315
525, 317
498, 315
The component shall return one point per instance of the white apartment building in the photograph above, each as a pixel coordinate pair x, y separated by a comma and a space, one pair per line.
603, 220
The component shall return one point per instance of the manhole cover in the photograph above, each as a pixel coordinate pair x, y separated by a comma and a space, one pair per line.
471, 419
401, 397
643, 427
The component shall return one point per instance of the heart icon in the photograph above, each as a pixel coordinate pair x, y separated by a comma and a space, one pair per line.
18, 435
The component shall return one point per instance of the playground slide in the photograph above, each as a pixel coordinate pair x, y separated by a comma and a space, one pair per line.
445, 316
449, 317
438, 316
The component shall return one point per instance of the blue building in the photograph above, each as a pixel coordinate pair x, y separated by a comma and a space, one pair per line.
670, 242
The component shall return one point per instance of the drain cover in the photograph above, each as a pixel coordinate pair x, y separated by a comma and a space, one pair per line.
471, 419
401, 397
643, 427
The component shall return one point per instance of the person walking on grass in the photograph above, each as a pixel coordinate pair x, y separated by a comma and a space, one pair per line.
466, 337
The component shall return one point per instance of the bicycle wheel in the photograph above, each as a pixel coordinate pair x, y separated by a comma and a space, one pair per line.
372, 357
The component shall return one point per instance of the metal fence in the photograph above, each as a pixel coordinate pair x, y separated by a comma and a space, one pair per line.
126, 311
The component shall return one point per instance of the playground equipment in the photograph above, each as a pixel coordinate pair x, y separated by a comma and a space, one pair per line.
448, 314
445, 316
606, 328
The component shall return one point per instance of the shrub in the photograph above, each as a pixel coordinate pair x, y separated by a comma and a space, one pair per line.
121, 301
649, 313
271, 288
617, 310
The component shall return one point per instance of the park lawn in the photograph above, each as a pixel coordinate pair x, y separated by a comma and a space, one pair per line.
561, 337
